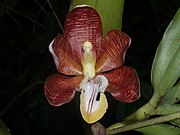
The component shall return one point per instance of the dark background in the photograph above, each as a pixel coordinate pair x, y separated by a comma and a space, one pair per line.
26, 29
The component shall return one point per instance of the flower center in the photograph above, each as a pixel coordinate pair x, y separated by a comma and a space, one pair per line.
88, 60
93, 103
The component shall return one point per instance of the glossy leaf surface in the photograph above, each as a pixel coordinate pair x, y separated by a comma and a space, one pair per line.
173, 96
165, 69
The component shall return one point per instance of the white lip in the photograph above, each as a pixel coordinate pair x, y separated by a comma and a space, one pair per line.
91, 88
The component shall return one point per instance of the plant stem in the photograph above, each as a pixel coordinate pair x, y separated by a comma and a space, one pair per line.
142, 113
144, 123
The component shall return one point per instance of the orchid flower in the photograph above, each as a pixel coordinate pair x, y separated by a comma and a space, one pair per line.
90, 63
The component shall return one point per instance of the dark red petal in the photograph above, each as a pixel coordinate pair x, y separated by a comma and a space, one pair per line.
112, 51
60, 89
65, 63
123, 84
83, 24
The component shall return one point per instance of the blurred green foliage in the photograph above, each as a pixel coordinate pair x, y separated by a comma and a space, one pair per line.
27, 28
3, 129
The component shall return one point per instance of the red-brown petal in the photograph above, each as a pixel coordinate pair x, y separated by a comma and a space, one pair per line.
112, 50
83, 24
60, 89
62, 54
123, 84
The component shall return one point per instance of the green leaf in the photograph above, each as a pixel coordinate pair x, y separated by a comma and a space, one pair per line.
168, 109
176, 122
165, 70
173, 96
168, 104
110, 11
166, 50
3, 129
160, 129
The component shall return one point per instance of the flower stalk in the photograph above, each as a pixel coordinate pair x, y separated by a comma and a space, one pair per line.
145, 123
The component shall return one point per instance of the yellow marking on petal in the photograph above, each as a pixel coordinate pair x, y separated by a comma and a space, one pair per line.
98, 114
88, 60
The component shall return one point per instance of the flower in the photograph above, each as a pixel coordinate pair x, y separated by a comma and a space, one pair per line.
91, 63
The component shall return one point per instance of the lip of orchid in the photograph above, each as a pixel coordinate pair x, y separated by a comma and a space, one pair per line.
93, 103
93, 87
